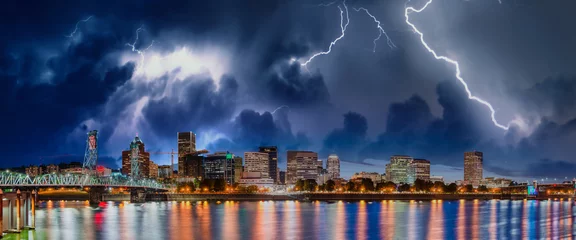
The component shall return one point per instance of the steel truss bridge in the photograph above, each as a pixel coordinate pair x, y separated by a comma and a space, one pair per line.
19, 180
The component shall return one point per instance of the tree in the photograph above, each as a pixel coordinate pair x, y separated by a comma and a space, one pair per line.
220, 185
482, 188
310, 185
330, 185
468, 188
422, 185
185, 187
299, 186
386, 186
451, 188
438, 186
349, 186
322, 187
366, 185
404, 187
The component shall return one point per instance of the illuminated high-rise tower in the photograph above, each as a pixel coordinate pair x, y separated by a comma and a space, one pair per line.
186, 145
473, 167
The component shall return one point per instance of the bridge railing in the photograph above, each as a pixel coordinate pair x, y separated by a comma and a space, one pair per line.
19, 179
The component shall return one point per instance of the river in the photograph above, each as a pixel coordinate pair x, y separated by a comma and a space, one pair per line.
494, 219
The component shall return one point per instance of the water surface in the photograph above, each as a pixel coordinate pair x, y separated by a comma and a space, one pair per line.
495, 219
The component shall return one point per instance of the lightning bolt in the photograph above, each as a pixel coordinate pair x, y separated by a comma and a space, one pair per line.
76, 28
278, 108
409, 10
327, 4
380, 29
140, 52
342, 27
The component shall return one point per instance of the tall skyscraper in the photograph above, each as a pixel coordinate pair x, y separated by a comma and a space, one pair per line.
186, 145
301, 165
143, 159
257, 162
333, 166
473, 167
220, 165
272, 152
397, 169
191, 167
419, 169
153, 170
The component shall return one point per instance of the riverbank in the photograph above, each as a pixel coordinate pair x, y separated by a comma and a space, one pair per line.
327, 197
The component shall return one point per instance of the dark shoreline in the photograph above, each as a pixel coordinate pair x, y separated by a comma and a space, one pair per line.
328, 197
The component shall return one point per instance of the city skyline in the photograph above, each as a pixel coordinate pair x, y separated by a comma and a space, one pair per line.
249, 84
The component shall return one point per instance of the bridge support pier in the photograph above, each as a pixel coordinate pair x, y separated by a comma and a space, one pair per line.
137, 195
95, 194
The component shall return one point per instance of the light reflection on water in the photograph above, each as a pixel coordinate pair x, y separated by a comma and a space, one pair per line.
262, 220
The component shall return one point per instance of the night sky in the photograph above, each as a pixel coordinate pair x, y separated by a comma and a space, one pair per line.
220, 69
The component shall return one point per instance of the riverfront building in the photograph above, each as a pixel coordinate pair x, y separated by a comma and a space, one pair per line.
374, 176
419, 169
220, 165
143, 159
397, 169
257, 162
473, 167
333, 166
191, 166
272, 152
186, 145
301, 165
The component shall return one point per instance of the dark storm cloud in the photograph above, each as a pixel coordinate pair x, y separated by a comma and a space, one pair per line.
81, 80
290, 86
412, 129
345, 142
194, 104
251, 129
555, 97
285, 82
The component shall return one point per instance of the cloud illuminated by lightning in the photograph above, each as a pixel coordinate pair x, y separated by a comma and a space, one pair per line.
342, 27
409, 10
380, 30
140, 52
76, 28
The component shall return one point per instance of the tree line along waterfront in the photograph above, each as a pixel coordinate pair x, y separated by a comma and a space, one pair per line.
356, 185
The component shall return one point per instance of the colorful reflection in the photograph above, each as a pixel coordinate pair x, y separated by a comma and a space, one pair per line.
496, 219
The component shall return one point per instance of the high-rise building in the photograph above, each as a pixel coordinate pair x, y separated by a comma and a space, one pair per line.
473, 167
272, 152
306, 165
164, 171
186, 145
34, 171
282, 177
301, 164
153, 170
238, 168
220, 165
419, 169
257, 162
397, 169
143, 159
333, 166
192, 166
